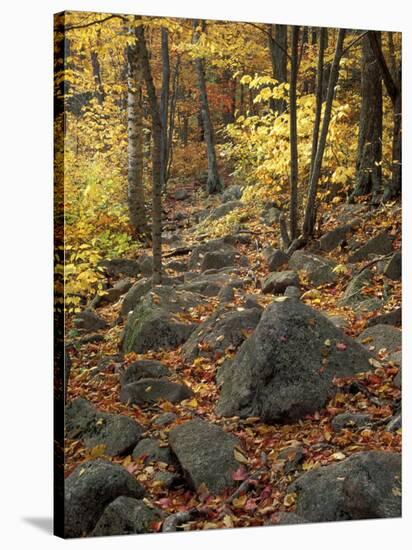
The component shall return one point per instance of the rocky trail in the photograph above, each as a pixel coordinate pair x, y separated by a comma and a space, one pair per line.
253, 387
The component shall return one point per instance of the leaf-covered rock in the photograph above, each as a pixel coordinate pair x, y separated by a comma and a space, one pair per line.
150, 390
91, 487
364, 486
285, 370
206, 454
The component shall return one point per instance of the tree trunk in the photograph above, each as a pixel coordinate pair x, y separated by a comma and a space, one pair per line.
293, 136
97, 76
214, 184
278, 57
164, 102
135, 189
393, 84
369, 156
310, 212
157, 180
323, 32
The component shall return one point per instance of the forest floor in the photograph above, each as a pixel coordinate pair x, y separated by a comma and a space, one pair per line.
96, 369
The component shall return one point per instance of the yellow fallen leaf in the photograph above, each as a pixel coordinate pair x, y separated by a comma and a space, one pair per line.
289, 499
239, 502
228, 522
240, 457
338, 456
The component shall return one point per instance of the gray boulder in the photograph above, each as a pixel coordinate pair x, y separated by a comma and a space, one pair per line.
127, 516
350, 420
179, 266
223, 329
164, 419
121, 266
149, 450
332, 239
285, 369
354, 297
151, 390
381, 244
232, 193
217, 260
276, 259
153, 324
393, 317
226, 294
287, 518
279, 281
393, 268
118, 433
271, 216
216, 245
91, 487
144, 368
381, 337
206, 454
88, 321
112, 294
319, 269
142, 287
364, 486
224, 209
181, 194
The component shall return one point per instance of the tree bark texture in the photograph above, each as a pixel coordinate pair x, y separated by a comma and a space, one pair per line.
293, 137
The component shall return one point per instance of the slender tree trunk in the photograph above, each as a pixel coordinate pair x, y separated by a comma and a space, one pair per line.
278, 56
323, 32
214, 184
393, 84
310, 212
135, 190
156, 159
97, 76
369, 156
164, 102
293, 136
171, 123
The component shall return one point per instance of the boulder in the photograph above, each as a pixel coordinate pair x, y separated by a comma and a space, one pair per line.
292, 292
206, 454
393, 268
279, 281
144, 368
127, 516
223, 210
179, 266
226, 294
232, 193
164, 419
364, 486
215, 245
271, 216
151, 390
381, 337
121, 266
181, 194
88, 321
319, 269
149, 450
285, 369
354, 297
393, 318
276, 259
111, 294
210, 283
350, 420
117, 433
379, 245
153, 324
217, 260
332, 239
142, 287
287, 518
223, 329
91, 487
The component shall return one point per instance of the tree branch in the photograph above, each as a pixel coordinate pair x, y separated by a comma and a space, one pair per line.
96, 22
390, 84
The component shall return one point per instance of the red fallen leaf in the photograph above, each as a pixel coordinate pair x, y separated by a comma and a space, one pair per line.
341, 346
267, 491
164, 502
250, 505
373, 379
240, 474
